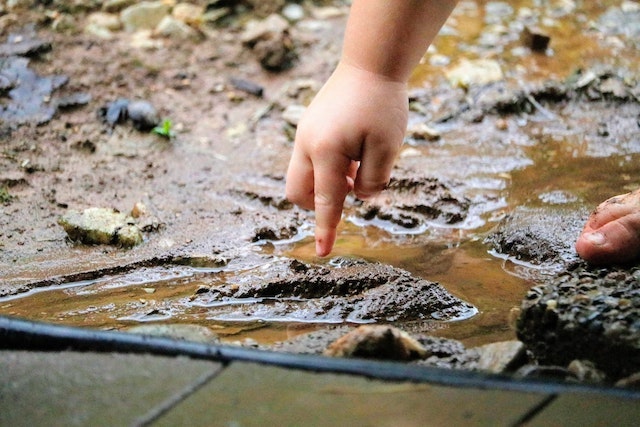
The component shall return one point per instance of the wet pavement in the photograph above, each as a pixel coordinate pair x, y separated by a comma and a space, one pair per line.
82, 389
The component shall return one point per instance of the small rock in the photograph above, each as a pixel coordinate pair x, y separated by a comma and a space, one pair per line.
293, 113
377, 342
632, 381
189, 13
474, 72
586, 371
423, 132
98, 31
247, 86
145, 15
535, 39
269, 28
501, 357
293, 12
139, 209
547, 372
129, 236
143, 39
176, 29
64, 23
110, 21
100, 226
143, 115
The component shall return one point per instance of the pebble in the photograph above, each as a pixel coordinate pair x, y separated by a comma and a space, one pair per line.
474, 72
377, 342
176, 29
143, 115
293, 113
188, 13
145, 15
293, 12
501, 357
101, 226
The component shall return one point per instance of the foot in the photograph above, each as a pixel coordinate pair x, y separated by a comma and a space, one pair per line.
612, 232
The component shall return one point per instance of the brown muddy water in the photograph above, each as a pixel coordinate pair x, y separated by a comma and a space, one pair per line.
541, 156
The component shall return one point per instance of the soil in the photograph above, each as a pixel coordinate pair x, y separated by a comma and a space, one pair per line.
216, 186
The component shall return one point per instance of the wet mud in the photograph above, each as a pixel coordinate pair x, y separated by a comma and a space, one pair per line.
346, 291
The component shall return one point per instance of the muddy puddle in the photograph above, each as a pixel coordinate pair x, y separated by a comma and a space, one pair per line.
570, 154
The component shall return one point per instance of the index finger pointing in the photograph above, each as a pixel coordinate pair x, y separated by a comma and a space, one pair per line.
331, 188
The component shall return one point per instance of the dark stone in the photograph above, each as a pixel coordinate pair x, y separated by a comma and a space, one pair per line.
587, 315
247, 86
143, 115
535, 39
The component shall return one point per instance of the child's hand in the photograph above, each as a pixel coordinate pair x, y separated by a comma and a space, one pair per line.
347, 140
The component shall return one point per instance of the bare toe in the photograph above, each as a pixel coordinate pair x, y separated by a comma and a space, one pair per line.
612, 232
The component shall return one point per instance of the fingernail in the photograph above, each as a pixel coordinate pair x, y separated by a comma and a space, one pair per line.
596, 238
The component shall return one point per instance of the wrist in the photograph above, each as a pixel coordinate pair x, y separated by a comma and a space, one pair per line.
366, 72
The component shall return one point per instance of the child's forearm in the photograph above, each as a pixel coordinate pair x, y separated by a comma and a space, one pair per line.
388, 37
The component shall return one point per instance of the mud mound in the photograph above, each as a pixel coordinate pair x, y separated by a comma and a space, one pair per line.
585, 314
538, 236
412, 202
347, 290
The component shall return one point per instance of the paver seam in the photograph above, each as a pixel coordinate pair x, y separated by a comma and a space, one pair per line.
173, 400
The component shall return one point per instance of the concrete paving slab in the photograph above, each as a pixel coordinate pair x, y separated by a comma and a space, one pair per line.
89, 389
583, 410
247, 394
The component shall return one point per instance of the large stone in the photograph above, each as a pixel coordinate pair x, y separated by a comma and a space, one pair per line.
585, 314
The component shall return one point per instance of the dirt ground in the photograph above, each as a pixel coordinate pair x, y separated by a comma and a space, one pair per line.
213, 187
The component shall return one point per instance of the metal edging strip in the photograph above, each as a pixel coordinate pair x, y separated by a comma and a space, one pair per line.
19, 334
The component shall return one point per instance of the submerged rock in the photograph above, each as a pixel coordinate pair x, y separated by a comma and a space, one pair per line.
585, 314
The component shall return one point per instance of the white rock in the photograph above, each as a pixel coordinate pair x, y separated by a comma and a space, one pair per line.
98, 31
110, 21
171, 27
293, 12
145, 15
474, 72
273, 25
143, 40
293, 113
188, 13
